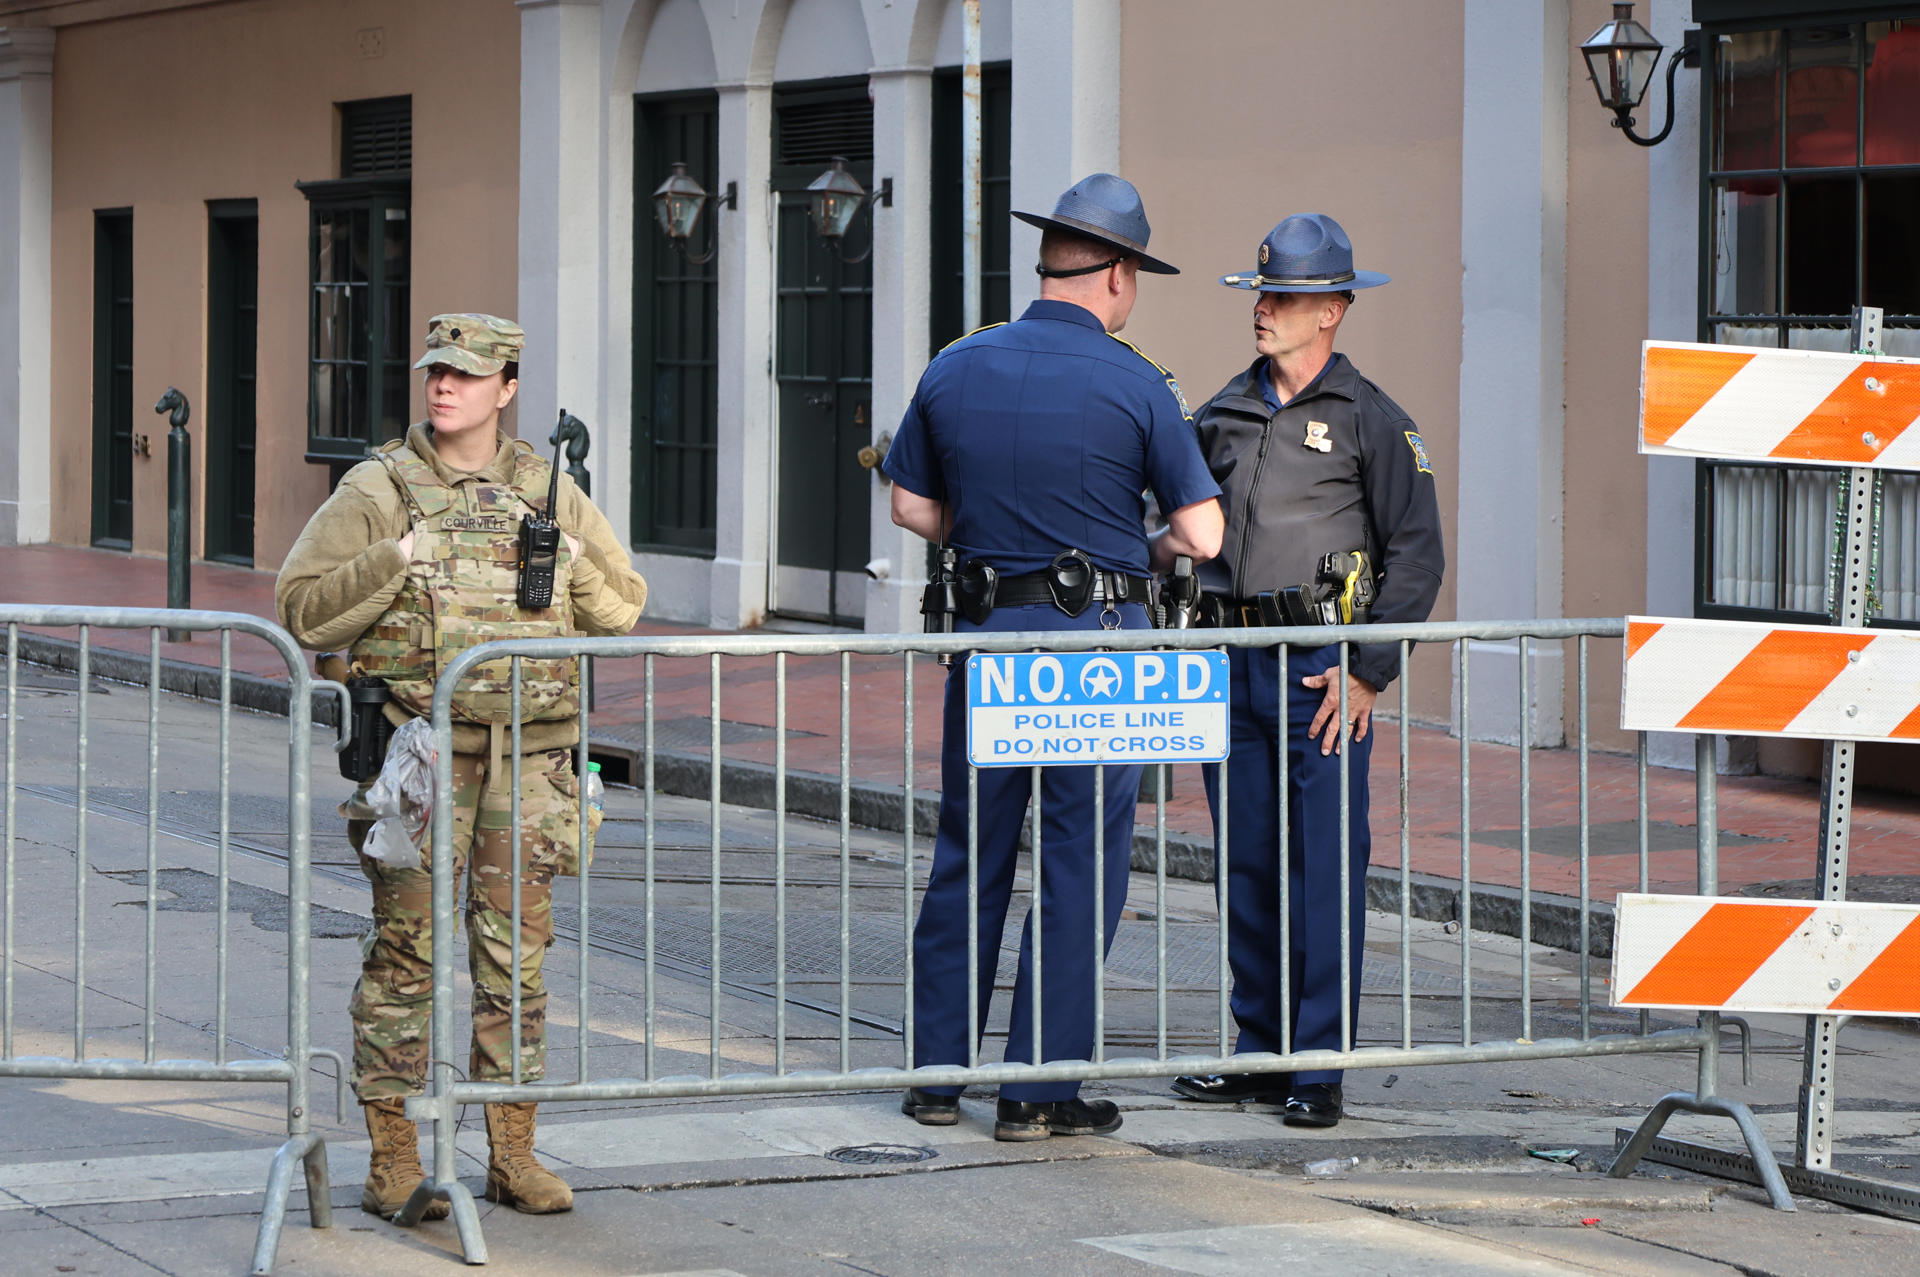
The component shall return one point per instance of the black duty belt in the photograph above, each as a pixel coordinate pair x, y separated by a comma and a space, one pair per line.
1032, 587
1218, 612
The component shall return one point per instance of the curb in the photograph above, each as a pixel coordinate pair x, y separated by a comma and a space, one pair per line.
1495, 908
250, 691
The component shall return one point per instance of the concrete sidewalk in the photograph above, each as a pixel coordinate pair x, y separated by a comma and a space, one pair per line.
1769, 838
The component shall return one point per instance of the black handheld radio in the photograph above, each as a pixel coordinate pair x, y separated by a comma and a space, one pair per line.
540, 543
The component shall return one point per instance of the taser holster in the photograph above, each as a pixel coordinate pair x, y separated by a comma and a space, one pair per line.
1341, 593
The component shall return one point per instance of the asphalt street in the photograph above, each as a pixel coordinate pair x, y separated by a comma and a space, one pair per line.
1434, 1171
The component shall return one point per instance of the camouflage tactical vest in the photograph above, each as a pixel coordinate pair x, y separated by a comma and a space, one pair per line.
461, 591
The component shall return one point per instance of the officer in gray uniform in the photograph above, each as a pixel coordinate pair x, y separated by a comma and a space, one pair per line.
1327, 485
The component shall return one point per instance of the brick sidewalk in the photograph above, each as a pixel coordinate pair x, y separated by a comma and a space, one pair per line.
1772, 824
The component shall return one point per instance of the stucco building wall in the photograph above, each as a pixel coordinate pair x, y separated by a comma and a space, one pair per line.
1224, 139
163, 112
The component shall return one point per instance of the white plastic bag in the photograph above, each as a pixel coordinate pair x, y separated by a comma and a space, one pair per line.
401, 798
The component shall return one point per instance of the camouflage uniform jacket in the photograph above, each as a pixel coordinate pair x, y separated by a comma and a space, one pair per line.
347, 584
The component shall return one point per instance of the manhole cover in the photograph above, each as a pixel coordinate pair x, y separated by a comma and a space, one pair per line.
880, 1154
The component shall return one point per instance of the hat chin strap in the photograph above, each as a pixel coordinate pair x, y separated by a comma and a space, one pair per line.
1047, 272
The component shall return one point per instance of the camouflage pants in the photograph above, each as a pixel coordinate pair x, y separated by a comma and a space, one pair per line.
392, 1004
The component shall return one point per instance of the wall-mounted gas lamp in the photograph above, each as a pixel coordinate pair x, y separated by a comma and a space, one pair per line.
677, 204
1621, 57
832, 200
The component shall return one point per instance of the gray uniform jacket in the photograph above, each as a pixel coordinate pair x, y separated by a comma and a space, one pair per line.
1339, 467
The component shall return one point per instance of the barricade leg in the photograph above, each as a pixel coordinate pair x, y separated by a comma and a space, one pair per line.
306, 1150
1702, 1098
1764, 1164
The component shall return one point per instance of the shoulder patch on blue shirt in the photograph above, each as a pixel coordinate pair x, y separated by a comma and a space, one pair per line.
1419, 452
1178, 397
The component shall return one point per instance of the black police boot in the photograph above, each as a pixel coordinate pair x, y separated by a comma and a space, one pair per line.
1233, 1088
1314, 1104
1018, 1120
930, 1108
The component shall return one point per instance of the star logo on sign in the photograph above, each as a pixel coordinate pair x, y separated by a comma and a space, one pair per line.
1100, 678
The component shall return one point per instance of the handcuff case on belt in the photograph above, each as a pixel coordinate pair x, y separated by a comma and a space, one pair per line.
1070, 580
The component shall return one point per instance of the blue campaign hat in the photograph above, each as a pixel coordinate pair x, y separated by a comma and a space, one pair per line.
1105, 208
1306, 253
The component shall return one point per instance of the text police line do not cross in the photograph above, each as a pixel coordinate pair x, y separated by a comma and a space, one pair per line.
1096, 707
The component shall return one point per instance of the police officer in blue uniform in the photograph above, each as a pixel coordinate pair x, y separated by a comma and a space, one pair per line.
1026, 449
1314, 460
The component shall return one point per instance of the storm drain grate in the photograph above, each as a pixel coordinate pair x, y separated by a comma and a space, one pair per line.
880, 1154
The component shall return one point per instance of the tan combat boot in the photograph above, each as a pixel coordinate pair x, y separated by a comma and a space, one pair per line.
513, 1177
393, 1170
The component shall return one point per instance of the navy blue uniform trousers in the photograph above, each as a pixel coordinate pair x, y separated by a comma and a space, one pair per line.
1066, 915
1313, 859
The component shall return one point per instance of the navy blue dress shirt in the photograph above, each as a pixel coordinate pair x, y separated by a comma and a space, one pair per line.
1043, 435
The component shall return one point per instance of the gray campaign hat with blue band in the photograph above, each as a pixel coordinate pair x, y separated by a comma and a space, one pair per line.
1108, 209
1306, 253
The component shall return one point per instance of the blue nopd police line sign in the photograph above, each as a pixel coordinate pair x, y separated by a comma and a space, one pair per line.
1096, 707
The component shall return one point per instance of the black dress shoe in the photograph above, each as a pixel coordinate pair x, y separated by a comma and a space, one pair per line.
930, 1108
1233, 1088
1314, 1104
1018, 1120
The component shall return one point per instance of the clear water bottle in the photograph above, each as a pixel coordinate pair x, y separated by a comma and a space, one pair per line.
596, 790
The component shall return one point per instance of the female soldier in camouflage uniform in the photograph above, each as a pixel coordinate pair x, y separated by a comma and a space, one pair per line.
412, 560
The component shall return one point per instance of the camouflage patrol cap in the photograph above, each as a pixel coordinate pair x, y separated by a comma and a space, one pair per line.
479, 344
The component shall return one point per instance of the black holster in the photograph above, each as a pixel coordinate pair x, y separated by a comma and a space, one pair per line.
366, 750
1179, 597
978, 584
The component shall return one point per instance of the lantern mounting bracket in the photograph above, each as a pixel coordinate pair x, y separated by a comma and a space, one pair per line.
1687, 55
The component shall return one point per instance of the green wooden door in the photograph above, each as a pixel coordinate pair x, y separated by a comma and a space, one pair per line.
233, 277
823, 365
676, 335
113, 435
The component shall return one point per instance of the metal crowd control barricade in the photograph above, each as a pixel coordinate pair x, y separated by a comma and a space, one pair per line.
892, 1067
303, 1149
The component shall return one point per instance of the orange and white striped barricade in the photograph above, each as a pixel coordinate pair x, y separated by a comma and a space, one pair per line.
1789, 956
1758, 404
1816, 682
1840, 684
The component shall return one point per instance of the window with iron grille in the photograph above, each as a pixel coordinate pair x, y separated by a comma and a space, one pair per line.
1811, 192
360, 251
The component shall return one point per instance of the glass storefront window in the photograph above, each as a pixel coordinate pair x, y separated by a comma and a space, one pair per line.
1747, 101
1808, 217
